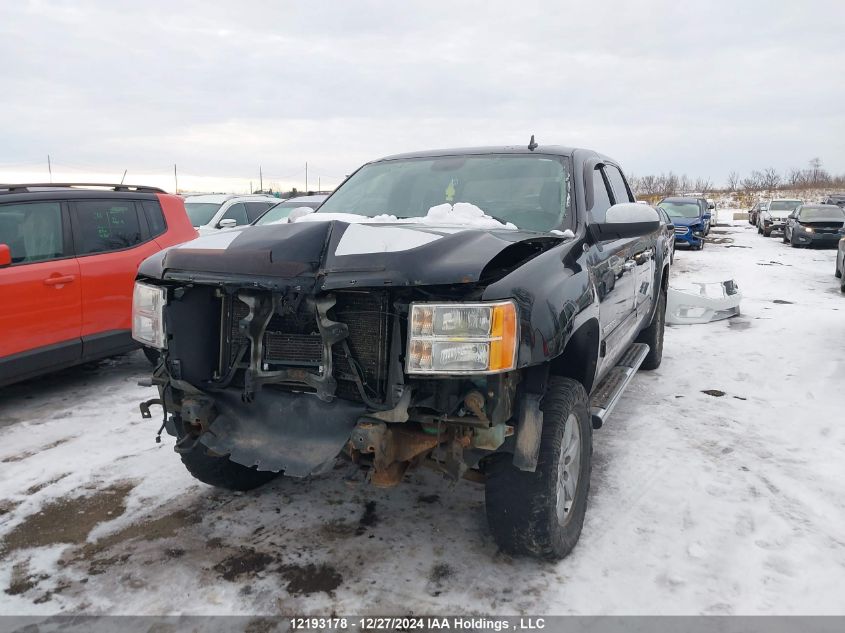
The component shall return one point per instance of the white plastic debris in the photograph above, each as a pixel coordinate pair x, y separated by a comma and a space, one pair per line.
702, 302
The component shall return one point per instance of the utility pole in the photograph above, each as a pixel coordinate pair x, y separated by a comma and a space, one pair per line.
50, 168
260, 179
176, 178
318, 184
306, 176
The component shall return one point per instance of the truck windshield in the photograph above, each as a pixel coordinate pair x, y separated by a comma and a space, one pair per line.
200, 213
681, 209
532, 192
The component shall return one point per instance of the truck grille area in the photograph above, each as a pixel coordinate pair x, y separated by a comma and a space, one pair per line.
294, 341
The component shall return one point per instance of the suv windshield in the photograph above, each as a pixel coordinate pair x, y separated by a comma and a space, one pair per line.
532, 192
200, 213
681, 209
784, 205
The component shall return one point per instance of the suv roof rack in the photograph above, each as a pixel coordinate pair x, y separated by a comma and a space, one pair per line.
24, 187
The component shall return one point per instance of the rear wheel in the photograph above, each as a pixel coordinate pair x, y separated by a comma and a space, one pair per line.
221, 472
785, 239
653, 335
541, 513
767, 232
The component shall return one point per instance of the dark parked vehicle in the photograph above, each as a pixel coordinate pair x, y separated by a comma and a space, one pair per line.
814, 224
688, 217
400, 326
755, 211
835, 198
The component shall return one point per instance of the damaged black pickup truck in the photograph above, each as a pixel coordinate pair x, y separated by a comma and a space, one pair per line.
477, 311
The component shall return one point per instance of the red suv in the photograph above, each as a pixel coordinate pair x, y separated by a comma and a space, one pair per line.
68, 259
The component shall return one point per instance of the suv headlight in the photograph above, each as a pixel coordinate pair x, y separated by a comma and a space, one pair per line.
147, 317
461, 338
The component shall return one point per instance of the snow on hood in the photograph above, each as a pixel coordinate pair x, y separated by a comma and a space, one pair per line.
458, 214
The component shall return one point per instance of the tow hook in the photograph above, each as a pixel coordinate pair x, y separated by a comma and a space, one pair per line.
145, 407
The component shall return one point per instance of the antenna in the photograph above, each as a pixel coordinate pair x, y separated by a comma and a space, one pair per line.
124, 176
532, 145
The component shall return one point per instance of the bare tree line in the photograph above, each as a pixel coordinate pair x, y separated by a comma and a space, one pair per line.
813, 177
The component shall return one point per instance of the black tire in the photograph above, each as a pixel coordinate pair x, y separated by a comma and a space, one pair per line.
838, 271
221, 472
785, 239
152, 355
522, 507
653, 335
767, 232
759, 230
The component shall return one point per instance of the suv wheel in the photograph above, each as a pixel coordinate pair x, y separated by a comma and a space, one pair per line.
785, 239
653, 335
541, 513
767, 232
221, 472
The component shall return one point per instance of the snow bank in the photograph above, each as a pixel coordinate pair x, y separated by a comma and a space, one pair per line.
460, 214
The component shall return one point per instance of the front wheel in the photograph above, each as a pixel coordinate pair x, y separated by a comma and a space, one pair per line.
221, 472
541, 513
767, 232
785, 239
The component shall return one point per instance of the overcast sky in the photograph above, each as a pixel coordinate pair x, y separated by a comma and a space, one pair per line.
221, 88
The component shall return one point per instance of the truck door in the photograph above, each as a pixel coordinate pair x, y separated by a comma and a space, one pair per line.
615, 272
642, 249
40, 300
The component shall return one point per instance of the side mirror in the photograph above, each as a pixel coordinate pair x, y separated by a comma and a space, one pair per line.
627, 219
228, 223
5, 255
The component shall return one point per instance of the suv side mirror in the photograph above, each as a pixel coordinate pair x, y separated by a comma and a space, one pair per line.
627, 219
227, 223
5, 255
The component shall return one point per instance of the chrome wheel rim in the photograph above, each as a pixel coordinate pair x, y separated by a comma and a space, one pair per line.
569, 469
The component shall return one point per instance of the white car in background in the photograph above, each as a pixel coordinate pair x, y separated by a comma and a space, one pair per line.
279, 213
211, 212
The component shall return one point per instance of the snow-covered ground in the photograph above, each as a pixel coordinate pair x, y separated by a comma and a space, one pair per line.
700, 503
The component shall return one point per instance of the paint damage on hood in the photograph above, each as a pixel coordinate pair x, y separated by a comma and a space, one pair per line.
342, 255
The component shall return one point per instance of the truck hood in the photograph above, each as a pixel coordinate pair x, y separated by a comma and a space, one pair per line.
344, 255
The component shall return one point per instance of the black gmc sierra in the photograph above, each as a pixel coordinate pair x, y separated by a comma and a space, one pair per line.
479, 311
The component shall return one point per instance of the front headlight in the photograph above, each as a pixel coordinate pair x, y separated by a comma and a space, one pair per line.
147, 315
809, 229
461, 338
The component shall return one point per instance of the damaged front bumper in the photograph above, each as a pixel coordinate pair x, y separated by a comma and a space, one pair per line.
703, 302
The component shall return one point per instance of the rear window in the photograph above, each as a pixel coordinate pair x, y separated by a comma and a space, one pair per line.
155, 217
201, 213
105, 225
32, 231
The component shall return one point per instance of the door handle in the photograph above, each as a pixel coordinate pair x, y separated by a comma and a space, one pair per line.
628, 266
60, 280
